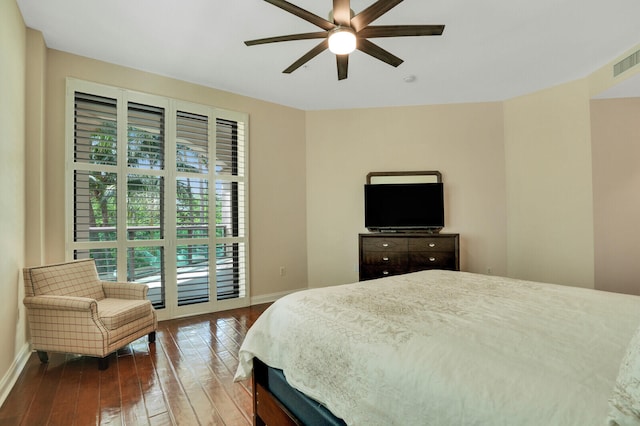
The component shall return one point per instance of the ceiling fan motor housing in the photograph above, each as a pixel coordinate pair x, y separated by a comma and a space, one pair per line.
342, 40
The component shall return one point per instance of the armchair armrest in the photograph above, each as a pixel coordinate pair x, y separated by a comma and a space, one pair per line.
122, 290
61, 303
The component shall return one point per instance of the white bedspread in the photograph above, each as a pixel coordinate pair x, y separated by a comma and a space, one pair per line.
449, 348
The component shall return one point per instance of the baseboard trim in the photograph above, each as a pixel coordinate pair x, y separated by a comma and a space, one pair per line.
11, 377
269, 298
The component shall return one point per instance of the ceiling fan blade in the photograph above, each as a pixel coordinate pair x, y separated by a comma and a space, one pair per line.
290, 37
372, 13
374, 31
378, 52
342, 12
343, 66
307, 57
303, 14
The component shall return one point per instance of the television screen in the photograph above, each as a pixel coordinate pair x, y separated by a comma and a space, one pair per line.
398, 206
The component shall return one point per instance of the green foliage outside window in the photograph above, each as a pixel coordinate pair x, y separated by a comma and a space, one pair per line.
144, 204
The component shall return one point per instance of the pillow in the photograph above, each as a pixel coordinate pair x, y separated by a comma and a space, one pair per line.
624, 404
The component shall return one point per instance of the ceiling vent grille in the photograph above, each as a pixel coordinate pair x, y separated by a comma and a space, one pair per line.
628, 62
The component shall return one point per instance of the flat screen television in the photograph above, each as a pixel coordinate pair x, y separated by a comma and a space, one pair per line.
404, 206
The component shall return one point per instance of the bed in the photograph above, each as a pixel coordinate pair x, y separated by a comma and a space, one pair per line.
446, 348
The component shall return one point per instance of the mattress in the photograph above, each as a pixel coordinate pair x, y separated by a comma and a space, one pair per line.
445, 347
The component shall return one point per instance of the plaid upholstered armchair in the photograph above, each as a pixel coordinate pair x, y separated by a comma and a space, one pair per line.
71, 310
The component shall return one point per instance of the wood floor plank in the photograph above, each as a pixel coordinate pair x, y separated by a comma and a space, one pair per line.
23, 393
184, 358
182, 412
134, 411
207, 366
153, 395
64, 404
88, 407
163, 419
110, 400
185, 378
40, 408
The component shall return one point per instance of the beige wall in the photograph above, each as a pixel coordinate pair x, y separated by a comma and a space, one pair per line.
276, 166
616, 193
13, 57
549, 190
464, 142
35, 177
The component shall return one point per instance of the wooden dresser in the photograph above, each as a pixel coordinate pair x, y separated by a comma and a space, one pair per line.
384, 254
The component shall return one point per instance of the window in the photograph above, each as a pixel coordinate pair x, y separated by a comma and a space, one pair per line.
157, 195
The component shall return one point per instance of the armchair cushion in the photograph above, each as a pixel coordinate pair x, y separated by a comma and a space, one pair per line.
114, 313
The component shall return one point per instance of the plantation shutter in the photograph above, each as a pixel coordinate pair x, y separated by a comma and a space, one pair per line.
158, 195
230, 208
95, 154
192, 208
146, 195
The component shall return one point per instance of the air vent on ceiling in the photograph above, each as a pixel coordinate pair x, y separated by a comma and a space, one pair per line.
628, 62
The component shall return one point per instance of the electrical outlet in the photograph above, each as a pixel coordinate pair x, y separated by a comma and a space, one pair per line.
488, 271
283, 271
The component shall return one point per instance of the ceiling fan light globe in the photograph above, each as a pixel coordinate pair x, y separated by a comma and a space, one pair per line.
342, 41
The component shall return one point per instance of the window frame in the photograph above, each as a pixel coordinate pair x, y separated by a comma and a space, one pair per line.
170, 173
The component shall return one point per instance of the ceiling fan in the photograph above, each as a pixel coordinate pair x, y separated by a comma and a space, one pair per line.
346, 28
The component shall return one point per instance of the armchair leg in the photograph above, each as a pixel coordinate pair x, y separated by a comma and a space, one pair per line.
103, 363
44, 357
152, 337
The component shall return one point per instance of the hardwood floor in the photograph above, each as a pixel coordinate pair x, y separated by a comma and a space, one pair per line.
185, 378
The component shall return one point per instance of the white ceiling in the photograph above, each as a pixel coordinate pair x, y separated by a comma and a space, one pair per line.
491, 50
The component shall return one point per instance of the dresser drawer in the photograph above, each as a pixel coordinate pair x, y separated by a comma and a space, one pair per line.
384, 258
384, 244
432, 244
420, 260
369, 272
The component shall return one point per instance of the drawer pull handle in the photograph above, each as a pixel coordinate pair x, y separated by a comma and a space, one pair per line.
432, 245
432, 259
385, 244
385, 272
385, 259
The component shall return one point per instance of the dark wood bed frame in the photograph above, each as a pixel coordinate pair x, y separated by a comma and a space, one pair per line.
267, 410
